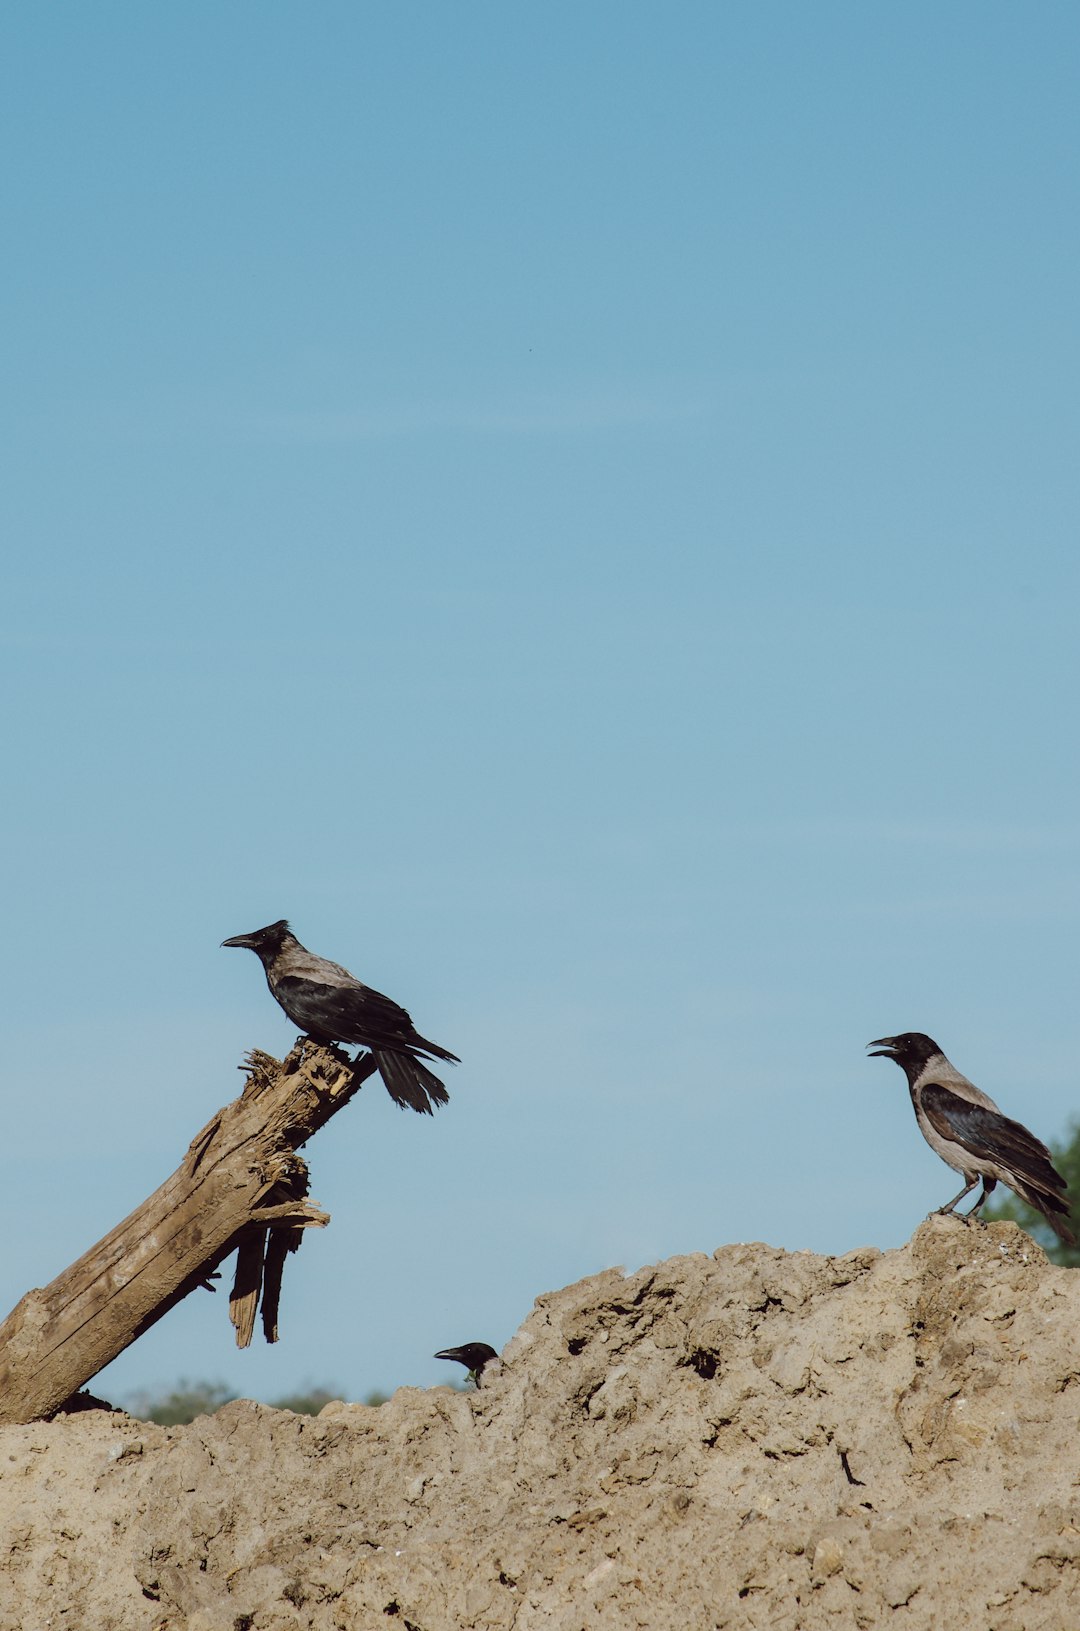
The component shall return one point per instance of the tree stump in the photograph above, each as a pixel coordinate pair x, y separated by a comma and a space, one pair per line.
241, 1187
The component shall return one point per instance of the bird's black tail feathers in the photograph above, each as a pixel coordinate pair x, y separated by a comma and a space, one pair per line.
1028, 1168
1053, 1206
432, 1049
409, 1082
1037, 1181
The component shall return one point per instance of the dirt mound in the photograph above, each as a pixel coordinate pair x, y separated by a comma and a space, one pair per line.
756, 1439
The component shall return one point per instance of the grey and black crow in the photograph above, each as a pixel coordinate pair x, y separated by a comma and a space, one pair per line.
474, 1356
327, 1002
965, 1127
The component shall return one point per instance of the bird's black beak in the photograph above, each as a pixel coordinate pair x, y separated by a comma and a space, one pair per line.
450, 1353
244, 940
884, 1048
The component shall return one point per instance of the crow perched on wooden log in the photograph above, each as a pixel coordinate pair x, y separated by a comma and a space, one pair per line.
474, 1356
965, 1127
327, 1002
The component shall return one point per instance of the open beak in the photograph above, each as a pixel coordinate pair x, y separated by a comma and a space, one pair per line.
884, 1047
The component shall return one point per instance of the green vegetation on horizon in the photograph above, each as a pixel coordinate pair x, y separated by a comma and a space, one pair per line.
201, 1398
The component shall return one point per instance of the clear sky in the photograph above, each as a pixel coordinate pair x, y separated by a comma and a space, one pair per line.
575, 505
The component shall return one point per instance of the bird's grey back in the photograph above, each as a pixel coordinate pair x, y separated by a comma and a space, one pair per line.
942, 1070
295, 961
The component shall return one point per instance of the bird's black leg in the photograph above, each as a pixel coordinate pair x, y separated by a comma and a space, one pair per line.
943, 1211
988, 1185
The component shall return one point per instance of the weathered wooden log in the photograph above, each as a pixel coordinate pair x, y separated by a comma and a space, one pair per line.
241, 1187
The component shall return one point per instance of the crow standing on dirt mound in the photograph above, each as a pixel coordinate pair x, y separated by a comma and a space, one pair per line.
327, 1002
966, 1128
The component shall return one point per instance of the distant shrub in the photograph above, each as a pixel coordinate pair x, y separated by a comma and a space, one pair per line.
186, 1401
305, 1404
190, 1399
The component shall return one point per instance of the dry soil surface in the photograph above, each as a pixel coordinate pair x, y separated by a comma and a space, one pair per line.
752, 1439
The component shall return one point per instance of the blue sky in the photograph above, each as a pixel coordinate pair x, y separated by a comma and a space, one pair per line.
576, 507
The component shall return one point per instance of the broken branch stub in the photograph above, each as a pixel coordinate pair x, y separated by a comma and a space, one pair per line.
241, 1187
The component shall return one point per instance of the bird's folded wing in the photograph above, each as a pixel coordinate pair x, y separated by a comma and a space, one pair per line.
989, 1135
350, 1013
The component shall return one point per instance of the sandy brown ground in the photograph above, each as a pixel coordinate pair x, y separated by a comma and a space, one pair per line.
752, 1439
